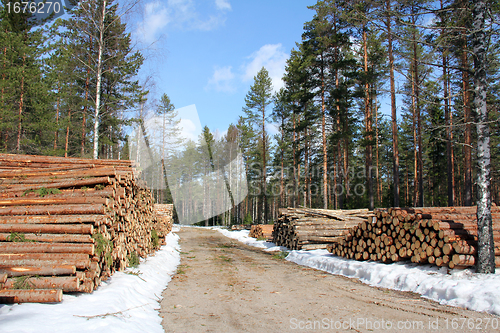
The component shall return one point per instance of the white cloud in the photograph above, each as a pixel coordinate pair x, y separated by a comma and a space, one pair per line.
190, 126
182, 14
222, 80
223, 4
273, 58
188, 130
156, 17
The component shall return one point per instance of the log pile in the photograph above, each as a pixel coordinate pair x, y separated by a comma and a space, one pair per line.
162, 225
262, 231
309, 229
442, 236
66, 224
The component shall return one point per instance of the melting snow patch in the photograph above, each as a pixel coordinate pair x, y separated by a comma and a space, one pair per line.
124, 303
462, 288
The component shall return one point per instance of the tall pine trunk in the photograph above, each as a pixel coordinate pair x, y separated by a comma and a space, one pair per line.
323, 132
264, 178
449, 134
368, 127
66, 142
467, 134
21, 106
395, 148
485, 252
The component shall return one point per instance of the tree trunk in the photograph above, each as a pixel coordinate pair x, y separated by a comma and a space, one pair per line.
395, 148
377, 175
323, 132
56, 132
368, 127
467, 134
67, 135
264, 178
99, 81
21, 105
449, 132
282, 181
295, 185
485, 253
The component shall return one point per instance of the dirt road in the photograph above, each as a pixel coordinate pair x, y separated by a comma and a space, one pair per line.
223, 285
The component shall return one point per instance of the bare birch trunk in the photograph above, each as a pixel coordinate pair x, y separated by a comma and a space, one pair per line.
485, 252
99, 81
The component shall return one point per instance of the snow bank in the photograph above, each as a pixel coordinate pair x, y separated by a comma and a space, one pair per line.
462, 288
124, 303
242, 236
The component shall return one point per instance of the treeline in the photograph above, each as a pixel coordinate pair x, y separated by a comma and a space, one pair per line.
65, 84
377, 109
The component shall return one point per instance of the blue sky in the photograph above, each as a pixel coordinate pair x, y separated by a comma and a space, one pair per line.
206, 52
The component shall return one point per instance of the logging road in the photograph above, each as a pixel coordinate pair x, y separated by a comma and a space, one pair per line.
223, 285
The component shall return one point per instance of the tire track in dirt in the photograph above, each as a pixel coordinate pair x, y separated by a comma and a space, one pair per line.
223, 285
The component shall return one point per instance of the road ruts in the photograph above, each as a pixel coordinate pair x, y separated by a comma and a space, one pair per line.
223, 285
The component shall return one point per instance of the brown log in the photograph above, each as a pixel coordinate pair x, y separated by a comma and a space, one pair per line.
61, 160
3, 277
314, 246
54, 210
108, 192
322, 232
463, 260
46, 219
44, 256
57, 176
10, 172
53, 201
38, 270
60, 184
49, 238
80, 264
26, 247
65, 283
48, 228
31, 296
448, 210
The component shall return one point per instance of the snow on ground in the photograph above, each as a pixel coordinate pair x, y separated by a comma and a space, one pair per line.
462, 288
124, 303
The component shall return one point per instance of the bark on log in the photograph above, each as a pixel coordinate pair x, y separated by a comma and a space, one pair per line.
80, 264
46, 248
61, 184
31, 296
48, 228
49, 238
54, 210
65, 283
38, 270
45, 219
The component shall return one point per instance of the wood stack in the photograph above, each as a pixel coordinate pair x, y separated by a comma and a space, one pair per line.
309, 229
262, 232
68, 223
443, 236
164, 220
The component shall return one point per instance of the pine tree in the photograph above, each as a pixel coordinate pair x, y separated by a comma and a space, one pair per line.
23, 105
257, 100
103, 49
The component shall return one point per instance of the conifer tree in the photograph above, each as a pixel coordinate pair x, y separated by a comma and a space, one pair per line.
257, 101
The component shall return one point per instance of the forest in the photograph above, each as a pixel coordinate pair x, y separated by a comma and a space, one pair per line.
385, 104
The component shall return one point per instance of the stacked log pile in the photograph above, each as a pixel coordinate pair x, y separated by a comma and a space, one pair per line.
443, 236
309, 229
164, 221
262, 231
66, 224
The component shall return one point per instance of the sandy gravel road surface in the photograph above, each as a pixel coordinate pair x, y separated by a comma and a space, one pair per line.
223, 285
